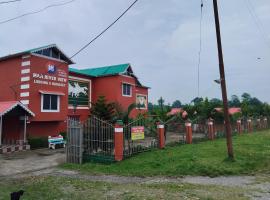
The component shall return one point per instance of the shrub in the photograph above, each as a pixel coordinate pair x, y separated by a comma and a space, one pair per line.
38, 142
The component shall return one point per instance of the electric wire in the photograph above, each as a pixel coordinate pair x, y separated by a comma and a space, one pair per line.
37, 11
257, 22
6, 2
106, 29
200, 49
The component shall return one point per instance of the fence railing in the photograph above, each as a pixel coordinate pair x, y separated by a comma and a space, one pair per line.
100, 141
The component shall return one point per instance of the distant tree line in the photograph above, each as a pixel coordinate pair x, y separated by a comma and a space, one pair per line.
203, 108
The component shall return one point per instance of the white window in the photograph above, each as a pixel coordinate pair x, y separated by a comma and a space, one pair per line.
50, 103
126, 90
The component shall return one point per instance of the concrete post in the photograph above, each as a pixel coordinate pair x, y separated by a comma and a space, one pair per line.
249, 125
239, 126
265, 122
211, 133
161, 135
118, 141
188, 132
259, 124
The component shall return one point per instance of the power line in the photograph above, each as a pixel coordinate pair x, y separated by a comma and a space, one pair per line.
200, 48
257, 22
37, 11
102, 32
5, 2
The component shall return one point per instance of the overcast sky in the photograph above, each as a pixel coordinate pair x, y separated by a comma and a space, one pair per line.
160, 38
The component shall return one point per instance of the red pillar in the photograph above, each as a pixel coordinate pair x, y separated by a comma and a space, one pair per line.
211, 133
161, 135
118, 142
239, 126
188, 133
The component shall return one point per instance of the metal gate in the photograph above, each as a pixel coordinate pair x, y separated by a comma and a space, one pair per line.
175, 130
98, 140
133, 146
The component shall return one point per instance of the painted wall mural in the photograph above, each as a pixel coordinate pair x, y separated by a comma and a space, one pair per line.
141, 101
78, 93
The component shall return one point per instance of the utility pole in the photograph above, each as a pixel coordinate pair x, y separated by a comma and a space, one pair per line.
223, 84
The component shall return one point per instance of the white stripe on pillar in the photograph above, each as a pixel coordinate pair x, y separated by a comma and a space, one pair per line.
25, 71
24, 94
25, 78
26, 63
25, 86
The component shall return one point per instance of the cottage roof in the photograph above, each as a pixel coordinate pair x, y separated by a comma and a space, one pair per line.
56, 53
7, 106
232, 111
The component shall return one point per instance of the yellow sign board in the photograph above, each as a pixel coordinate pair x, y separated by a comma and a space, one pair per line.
137, 133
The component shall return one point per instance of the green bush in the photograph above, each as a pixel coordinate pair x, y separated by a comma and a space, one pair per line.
64, 134
38, 142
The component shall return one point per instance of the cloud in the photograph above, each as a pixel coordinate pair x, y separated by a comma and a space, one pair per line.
159, 38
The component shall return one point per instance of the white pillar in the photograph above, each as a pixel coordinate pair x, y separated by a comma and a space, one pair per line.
1, 124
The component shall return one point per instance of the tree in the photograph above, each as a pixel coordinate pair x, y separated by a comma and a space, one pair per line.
123, 114
234, 102
103, 109
197, 100
216, 102
150, 106
177, 104
246, 97
161, 102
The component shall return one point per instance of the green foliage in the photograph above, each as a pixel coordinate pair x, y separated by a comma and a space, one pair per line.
177, 104
122, 114
38, 142
161, 110
111, 111
103, 109
235, 101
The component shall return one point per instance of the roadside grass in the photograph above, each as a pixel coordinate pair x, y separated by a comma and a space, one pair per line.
252, 155
48, 188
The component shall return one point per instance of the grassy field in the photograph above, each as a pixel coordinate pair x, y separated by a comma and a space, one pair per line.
49, 188
252, 154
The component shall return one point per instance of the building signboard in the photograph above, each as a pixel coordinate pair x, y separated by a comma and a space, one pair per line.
52, 77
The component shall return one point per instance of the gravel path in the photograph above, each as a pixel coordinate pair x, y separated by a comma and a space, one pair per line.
260, 190
22, 162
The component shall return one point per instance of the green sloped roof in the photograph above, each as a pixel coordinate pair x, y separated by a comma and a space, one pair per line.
102, 71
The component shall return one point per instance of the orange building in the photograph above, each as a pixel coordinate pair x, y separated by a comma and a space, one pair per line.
40, 82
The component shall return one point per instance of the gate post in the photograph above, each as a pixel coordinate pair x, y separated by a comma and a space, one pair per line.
211, 134
118, 141
188, 132
161, 135
249, 123
239, 126
259, 123
265, 123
